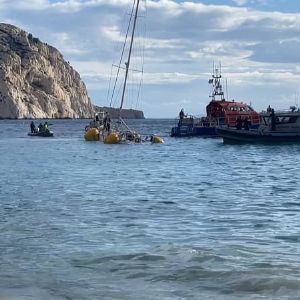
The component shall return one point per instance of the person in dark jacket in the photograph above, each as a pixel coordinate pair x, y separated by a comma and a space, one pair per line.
41, 128
106, 122
32, 127
273, 120
239, 123
247, 123
181, 114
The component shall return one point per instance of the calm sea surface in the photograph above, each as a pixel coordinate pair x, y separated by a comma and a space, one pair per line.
189, 219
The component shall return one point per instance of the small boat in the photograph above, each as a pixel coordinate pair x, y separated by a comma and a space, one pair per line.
276, 127
219, 112
191, 126
46, 133
42, 130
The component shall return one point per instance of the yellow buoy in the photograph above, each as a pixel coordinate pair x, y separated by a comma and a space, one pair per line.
157, 140
92, 134
112, 138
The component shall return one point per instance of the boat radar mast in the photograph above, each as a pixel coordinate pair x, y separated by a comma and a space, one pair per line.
217, 93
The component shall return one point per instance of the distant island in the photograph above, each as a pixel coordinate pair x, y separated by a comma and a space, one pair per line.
125, 113
36, 81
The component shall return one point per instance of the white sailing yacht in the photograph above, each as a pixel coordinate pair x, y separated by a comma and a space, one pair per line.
121, 131
115, 132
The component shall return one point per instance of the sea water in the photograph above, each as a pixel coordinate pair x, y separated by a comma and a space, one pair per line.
189, 219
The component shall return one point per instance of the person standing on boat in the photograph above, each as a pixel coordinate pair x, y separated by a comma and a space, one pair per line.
97, 121
247, 123
32, 127
269, 109
181, 114
106, 122
273, 120
46, 128
239, 123
40, 128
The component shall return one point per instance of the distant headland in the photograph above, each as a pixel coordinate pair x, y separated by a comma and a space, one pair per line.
36, 81
125, 113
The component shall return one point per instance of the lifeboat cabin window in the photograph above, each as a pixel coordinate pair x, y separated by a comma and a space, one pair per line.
281, 119
248, 108
286, 119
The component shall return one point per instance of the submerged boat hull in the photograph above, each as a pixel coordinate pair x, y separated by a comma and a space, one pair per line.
233, 136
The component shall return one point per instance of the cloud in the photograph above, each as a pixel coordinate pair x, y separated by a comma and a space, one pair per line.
33, 5
286, 51
240, 2
246, 2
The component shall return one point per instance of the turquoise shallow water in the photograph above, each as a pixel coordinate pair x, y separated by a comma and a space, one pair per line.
189, 219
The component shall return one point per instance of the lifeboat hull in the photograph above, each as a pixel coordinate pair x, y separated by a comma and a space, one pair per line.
235, 136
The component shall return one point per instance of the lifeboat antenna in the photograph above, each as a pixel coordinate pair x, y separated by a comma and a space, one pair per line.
216, 84
226, 90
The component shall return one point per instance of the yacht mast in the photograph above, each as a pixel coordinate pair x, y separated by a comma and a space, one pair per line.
129, 56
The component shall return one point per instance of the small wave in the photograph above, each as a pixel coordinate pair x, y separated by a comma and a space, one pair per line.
291, 204
30, 293
141, 257
289, 238
276, 285
167, 202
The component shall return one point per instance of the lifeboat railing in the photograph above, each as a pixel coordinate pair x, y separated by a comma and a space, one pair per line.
282, 111
231, 120
186, 120
197, 121
190, 120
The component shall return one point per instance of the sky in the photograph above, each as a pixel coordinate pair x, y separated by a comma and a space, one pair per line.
257, 43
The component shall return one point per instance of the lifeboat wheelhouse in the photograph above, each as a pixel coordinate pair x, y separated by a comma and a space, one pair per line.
227, 112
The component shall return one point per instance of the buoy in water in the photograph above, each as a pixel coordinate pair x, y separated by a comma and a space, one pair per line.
92, 134
112, 138
157, 140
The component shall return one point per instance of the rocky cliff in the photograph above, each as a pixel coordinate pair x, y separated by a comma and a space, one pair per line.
36, 81
125, 113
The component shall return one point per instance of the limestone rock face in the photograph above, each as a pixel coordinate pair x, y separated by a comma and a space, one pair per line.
35, 80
